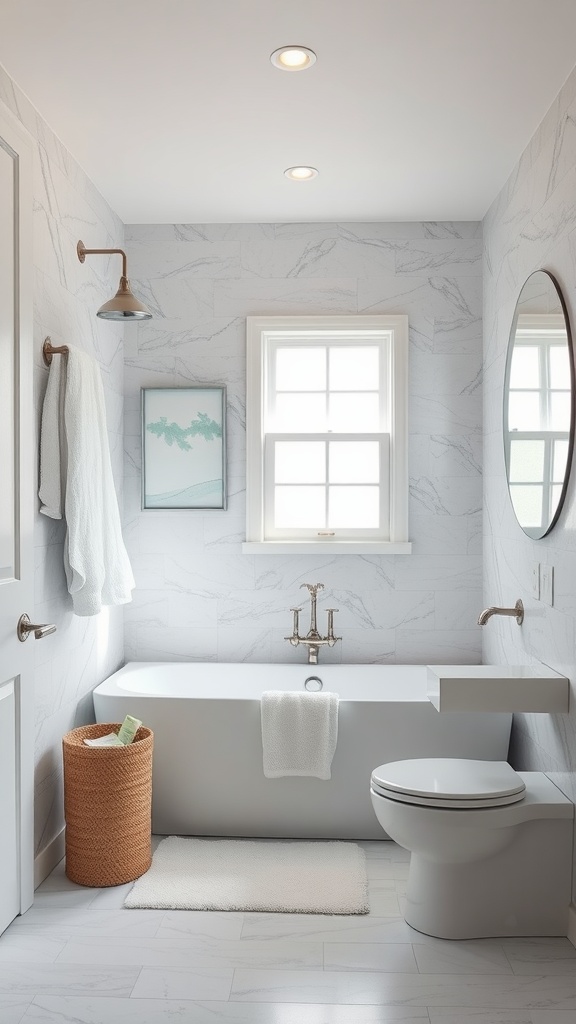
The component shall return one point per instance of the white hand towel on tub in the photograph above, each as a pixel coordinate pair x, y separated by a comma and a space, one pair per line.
299, 733
74, 450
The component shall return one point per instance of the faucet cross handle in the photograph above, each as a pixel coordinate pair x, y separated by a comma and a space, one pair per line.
313, 588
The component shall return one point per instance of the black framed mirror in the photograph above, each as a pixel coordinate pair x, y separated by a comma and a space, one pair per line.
539, 392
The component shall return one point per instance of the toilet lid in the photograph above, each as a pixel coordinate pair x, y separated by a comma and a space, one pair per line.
449, 782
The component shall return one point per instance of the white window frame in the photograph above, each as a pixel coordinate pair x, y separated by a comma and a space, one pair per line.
261, 332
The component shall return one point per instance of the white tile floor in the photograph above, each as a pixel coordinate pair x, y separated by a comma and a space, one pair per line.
78, 958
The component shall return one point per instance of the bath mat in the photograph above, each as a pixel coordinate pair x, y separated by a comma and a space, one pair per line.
250, 874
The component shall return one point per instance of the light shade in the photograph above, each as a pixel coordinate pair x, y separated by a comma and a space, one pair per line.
124, 305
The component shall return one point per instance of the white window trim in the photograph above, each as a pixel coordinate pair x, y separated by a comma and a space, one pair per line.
256, 328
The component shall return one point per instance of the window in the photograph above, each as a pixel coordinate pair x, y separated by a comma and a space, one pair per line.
326, 434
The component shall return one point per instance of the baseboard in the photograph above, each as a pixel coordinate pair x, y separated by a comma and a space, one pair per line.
572, 923
48, 858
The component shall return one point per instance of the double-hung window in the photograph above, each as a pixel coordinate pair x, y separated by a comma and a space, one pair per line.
326, 434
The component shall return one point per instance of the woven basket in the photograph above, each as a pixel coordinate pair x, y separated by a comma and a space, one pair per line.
107, 806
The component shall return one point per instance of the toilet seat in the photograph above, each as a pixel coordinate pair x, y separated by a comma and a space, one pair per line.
454, 783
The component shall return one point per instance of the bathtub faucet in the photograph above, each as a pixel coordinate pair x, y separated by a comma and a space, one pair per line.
313, 640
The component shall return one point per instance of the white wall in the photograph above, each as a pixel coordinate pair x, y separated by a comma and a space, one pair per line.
66, 295
531, 225
197, 596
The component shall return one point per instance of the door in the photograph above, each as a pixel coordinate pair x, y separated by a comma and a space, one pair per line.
16, 521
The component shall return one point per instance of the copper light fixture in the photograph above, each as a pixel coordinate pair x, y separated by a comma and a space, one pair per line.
124, 305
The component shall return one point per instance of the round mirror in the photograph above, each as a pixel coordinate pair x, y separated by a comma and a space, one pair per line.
539, 405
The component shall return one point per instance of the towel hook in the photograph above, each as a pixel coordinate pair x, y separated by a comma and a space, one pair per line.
49, 350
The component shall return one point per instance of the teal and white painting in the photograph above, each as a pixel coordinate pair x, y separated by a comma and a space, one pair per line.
183, 447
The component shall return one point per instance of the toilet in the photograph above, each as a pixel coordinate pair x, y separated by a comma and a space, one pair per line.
491, 848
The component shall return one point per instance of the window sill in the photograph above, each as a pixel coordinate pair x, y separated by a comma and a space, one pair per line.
340, 547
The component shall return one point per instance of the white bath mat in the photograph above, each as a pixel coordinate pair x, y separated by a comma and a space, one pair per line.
251, 874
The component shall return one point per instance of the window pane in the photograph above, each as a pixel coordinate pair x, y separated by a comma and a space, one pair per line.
527, 502
560, 459
354, 462
526, 461
300, 462
560, 410
354, 413
524, 411
305, 413
525, 368
556, 492
301, 369
559, 366
355, 368
353, 507
299, 507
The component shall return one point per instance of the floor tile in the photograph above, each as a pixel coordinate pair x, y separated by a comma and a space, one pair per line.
183, 984
326, 928
444, 957
13, 1008
60, 979
190, 952
383, 900
200, 924
17, 947
82, 1010
553, 1017
111, 898
542, 958
378, 868
464, 1015
486, 991
51, 900
370, 956
67, 922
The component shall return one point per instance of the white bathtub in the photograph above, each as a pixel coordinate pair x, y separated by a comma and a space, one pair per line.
208, 777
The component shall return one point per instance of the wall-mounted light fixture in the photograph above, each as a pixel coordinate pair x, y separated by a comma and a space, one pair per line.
124, 305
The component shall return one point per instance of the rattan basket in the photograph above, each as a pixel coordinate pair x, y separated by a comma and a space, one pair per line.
107, 806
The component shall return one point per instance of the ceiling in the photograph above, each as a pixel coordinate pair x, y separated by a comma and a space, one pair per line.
414, 109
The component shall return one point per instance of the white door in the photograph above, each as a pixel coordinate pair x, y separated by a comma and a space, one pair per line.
16, 521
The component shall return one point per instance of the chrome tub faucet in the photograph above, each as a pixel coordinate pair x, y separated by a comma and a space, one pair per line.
517, 610
313, 641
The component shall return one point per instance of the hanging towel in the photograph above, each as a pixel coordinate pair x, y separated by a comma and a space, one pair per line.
299, 733
76, 481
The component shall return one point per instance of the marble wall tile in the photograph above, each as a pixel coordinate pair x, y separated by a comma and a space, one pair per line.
531, 224
197, 591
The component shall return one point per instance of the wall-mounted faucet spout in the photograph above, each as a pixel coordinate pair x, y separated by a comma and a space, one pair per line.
517, 610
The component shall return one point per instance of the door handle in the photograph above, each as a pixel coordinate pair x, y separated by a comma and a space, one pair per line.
25, 627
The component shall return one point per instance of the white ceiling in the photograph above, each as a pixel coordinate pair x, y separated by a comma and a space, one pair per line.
414, 110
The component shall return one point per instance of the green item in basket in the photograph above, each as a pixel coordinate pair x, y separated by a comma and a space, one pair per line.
110, 740
128, 729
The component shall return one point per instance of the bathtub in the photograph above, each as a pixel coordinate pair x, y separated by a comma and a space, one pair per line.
208, 777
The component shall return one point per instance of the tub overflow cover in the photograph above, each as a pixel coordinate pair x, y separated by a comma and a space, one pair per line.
313, 683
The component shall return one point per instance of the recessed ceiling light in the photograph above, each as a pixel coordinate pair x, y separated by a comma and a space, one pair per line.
301, 173
293, 58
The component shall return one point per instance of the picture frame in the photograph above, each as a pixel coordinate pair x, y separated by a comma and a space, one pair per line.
184, 448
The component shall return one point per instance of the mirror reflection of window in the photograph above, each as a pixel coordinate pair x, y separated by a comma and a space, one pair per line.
538, 406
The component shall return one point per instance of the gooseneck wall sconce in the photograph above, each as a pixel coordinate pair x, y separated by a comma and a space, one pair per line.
124, 305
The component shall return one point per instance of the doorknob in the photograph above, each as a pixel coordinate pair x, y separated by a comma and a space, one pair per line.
25, 627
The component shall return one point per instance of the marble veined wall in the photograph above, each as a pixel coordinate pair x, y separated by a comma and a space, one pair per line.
531, 225
84, 651
197, 596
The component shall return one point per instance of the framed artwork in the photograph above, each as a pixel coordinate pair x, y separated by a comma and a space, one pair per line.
184, 448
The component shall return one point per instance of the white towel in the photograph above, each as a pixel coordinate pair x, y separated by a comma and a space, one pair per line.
299, 733
74, 450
